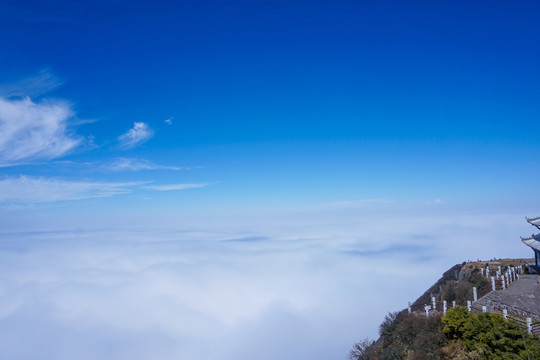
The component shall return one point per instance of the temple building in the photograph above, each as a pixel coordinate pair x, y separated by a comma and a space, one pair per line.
534, 243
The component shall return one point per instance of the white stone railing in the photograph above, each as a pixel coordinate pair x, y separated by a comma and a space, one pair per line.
499, 281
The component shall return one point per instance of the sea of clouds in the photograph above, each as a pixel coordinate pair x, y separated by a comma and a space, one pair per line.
267, 286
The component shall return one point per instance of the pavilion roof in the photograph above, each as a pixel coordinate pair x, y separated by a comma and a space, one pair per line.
532, 241
534, 221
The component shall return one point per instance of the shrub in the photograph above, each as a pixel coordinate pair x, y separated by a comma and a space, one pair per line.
489, 336
411, 337
363, 350
454, 322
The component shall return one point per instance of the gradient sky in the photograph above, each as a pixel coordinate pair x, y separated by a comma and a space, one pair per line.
214, 145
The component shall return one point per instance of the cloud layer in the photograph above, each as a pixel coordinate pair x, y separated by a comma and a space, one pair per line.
181, 293
138, 134
189, 298
30, 131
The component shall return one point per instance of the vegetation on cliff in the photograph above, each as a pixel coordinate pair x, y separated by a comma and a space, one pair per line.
459, 334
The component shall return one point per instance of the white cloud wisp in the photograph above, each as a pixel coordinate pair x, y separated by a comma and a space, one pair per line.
37, 85
138, 134
170, 187
130, 164
32, 190
31, 131
35, 190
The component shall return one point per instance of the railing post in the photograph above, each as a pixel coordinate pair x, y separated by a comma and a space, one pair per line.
409, 308
505, 314
469, 305
453, 303
433, 301
444, 307
529, 322
493, 283
475, 294
427, 307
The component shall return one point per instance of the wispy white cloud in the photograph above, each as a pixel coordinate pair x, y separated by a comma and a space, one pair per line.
170, 187
168, 121
138, 134
356, 203
42, 83
133, 164
33, 190
31, 131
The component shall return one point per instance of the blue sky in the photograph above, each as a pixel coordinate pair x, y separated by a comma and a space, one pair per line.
253, 166
286, 102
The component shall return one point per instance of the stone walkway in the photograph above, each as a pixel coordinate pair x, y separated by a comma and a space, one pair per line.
521, 298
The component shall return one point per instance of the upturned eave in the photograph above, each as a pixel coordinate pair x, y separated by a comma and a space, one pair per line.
532, 241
